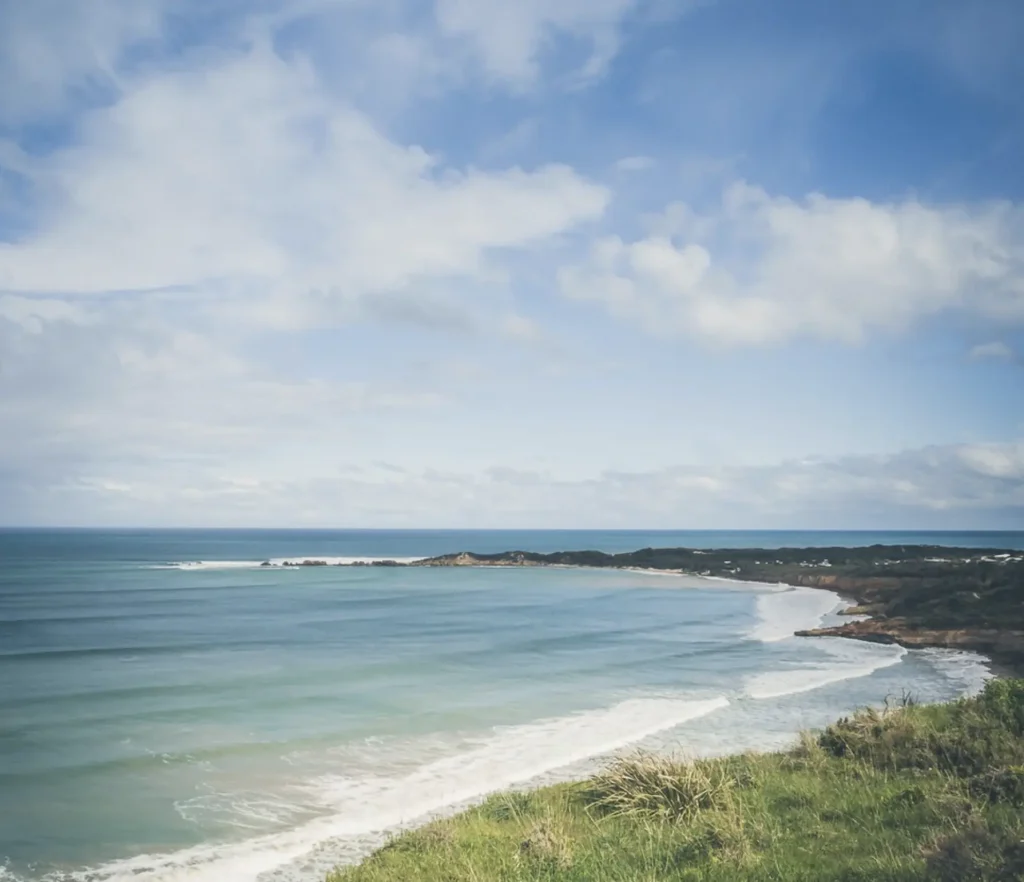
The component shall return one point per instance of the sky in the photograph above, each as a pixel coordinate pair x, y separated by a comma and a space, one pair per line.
469, 263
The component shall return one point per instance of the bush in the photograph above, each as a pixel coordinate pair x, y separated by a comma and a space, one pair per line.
979, 853
1000, 786
1003, 702
965, 739
895, 738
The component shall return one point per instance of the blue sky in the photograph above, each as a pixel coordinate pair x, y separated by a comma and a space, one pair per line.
578, 263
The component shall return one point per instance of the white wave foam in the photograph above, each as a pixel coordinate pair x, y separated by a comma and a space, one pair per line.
362, 807
968, 670
783, 612
252, 811
849, 661
283, 562
646, 571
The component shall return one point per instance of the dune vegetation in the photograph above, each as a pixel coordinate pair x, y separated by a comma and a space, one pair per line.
906, 792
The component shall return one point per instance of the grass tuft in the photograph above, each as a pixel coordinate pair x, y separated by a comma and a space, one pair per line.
512, 806
661, 788
547, 845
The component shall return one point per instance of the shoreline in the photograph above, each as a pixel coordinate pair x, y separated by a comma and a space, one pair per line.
869, 790
868, 593
911, 596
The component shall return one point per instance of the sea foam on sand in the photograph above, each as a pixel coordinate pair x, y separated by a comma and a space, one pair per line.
364, 807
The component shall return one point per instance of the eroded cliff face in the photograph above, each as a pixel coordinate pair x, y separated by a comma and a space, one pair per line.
861, 587
1004, 647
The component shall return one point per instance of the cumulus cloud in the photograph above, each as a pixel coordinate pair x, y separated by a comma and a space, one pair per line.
245, 176
763, 269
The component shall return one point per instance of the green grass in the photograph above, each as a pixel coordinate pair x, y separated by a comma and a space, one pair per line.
929, 793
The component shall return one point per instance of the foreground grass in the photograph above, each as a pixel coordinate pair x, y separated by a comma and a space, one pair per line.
909, 793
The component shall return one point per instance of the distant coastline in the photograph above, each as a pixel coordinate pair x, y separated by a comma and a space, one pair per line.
913, 595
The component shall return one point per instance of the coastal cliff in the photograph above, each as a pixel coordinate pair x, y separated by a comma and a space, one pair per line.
1005, 647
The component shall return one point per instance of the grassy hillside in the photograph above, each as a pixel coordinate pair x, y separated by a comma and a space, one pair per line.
909, 793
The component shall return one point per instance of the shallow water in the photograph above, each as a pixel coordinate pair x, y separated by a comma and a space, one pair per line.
170, 710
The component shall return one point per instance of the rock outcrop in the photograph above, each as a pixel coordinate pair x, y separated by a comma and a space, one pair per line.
1004, 647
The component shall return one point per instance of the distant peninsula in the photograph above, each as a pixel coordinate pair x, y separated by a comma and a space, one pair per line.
913, 595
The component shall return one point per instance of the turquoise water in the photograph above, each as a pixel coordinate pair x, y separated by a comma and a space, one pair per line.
170, 711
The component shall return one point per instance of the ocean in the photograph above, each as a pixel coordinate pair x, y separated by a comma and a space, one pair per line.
171, 711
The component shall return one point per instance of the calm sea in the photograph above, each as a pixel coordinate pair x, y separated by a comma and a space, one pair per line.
171, 711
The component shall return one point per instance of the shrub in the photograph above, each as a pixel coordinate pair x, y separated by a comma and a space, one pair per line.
965, 738
1000, 786
891, 738
977, 852
1003, 702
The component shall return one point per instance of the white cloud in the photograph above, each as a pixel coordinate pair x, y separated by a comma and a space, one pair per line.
510, 38
995, 460
32, 313
143, 396
764, 269
200, 209
996, 350
246, 178
48, 48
